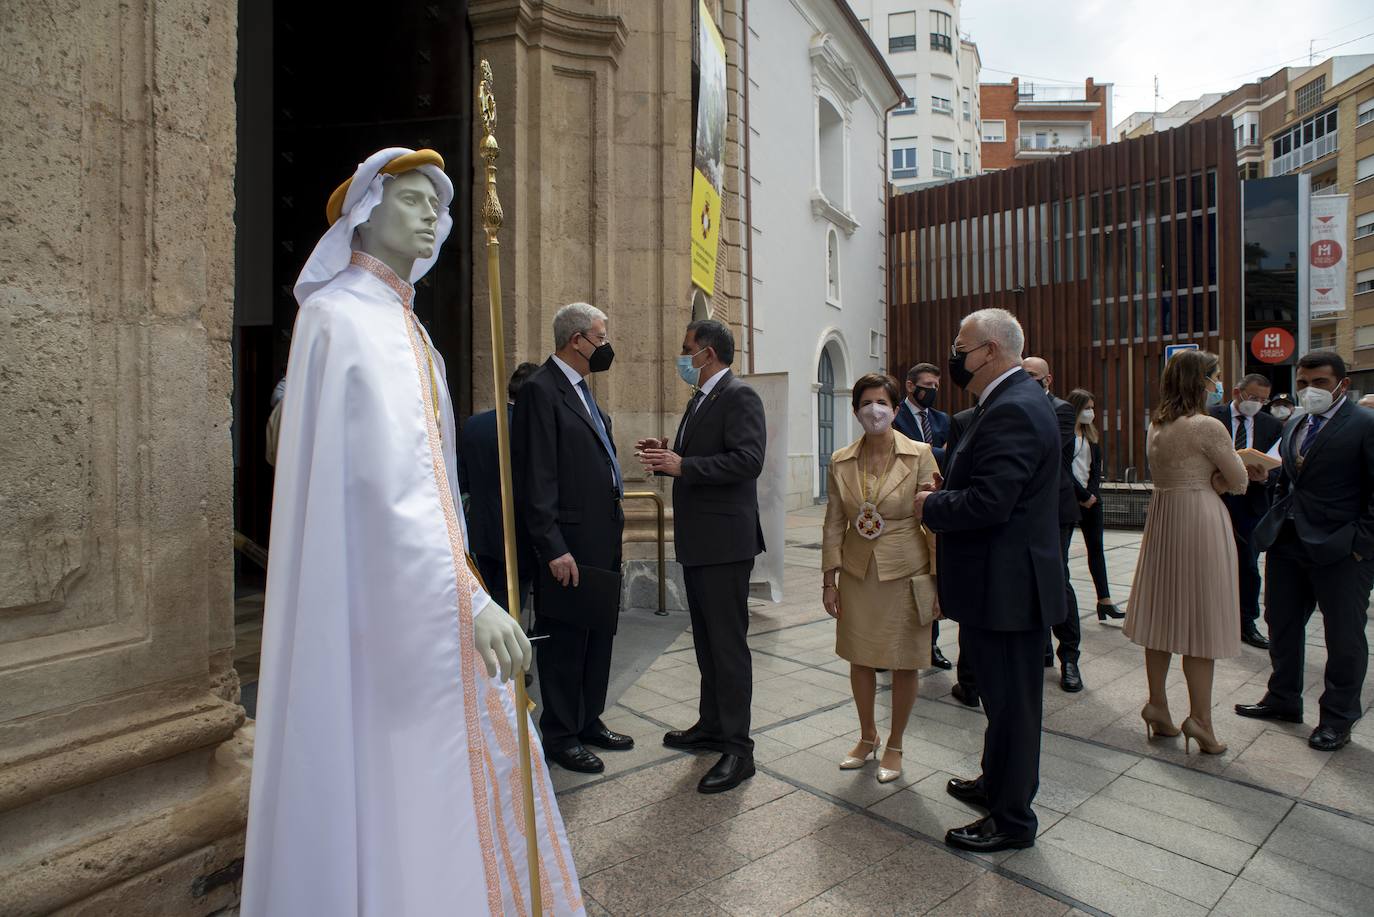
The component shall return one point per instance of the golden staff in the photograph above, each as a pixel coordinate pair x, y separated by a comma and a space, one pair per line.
491, 223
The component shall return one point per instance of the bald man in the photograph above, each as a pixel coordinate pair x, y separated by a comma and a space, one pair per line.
1068, 632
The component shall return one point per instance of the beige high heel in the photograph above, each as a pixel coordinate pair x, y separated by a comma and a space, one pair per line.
887, 775
1157, 725
1206, 741
851, 763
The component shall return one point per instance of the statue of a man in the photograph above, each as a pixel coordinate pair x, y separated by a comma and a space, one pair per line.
386, 772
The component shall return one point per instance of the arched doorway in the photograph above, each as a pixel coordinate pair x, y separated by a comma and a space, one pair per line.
825, 420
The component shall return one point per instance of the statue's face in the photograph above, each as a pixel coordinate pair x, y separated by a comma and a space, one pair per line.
404, 224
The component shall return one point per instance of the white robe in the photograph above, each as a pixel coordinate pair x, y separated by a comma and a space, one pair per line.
386, 772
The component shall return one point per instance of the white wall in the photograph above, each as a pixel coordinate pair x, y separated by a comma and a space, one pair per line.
793, 320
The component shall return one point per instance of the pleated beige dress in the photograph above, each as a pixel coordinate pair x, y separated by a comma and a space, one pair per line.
879, 623
1186, 596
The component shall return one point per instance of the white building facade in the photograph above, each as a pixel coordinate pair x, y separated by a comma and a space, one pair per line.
818, 96
937, 135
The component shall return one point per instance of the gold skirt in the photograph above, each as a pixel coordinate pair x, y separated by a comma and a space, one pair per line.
879, 626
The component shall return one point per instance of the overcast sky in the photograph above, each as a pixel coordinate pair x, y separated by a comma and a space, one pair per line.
1194, 46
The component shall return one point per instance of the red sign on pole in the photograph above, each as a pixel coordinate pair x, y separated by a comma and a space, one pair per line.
1272, 345
1326, 253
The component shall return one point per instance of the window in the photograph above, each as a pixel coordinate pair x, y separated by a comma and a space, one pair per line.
942, 105
941, 30
1309, 96
994, 131
875, 343
1249, 170
1364, 168
1364, 225
943, 166
909, 106
832, 268
1364, 281
1364, 337
831, 143
968, 163
904, 162
867, 27
968, 112
901, 32
1303, 143
1365, 113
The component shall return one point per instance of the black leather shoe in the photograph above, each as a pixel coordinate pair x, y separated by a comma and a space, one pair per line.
1263, 711
1069, 679
983, 837
577, 759
1109, 611
969, 791
1329, 738
611, 741
938, 659
726, 774
964, 695
1256, 639
1049, 660
686, 738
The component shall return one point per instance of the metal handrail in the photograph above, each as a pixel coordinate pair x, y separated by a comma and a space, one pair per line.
662, 544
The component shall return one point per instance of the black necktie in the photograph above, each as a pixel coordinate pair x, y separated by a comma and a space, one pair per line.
687, 419
1241, 439
1313, 427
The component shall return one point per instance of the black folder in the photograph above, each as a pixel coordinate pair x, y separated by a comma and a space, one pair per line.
594, 603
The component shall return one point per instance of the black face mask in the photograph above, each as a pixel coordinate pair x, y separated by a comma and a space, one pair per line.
959, 374
601, 358
925, 397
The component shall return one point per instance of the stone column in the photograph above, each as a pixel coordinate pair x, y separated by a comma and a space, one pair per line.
123, 757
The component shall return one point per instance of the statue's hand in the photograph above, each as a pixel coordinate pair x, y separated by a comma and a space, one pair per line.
501, 643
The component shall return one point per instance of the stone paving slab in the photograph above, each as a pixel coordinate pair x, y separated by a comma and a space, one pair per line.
1128, 825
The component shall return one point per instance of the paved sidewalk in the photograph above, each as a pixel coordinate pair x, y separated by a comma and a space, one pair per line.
1127, 825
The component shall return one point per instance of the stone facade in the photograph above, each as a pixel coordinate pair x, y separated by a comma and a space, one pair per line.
123, 752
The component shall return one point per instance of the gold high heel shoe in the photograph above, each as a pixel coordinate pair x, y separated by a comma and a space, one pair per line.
1156, 725
1206, 741
887, 775
851, 763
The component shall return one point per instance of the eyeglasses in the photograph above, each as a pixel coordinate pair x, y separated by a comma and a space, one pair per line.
954, 350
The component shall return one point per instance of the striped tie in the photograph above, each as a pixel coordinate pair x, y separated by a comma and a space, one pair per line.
925, 426
1313, 428
1241, 439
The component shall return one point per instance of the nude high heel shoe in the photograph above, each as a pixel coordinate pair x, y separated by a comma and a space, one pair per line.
851, 763
1206, 741
886, 774
1157, 723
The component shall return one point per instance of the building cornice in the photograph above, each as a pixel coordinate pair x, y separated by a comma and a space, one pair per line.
538, 23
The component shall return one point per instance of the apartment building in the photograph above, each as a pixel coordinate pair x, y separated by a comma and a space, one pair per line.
1026, 122
1141, 123
935, 135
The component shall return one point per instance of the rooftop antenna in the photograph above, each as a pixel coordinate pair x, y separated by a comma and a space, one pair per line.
1156, 111
1311, 55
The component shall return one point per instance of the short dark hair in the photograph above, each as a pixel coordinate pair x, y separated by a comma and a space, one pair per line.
920, 369
1319, 358
710, 333
876, 380
1254, 379
519, 378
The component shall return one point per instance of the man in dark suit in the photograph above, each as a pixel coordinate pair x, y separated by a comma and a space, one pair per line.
918, 420
1069, 632
479, 480
715, 461
1250, 429
1001, 573
568, 491
965, 688
1319, 533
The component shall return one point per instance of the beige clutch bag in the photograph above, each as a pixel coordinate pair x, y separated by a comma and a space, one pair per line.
923, 591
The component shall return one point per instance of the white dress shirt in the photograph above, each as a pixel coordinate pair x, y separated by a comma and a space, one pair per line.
919, 412
1247, 422
992, 386
705, 387
575, 378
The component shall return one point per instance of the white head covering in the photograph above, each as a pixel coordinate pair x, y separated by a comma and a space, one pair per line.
335, 247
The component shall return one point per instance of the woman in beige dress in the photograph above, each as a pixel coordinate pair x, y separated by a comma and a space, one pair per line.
877, 561
1185, 598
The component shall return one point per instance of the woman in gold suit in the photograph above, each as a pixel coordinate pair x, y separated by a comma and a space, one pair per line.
877, 564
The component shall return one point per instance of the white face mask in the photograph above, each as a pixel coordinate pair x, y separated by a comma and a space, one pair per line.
1250, 408
1282, 412
875, 418
1086, 416
1315, 400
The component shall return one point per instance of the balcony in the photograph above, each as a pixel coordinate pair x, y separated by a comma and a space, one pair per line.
1304, 155
1030, 97
939, 172
1044, 147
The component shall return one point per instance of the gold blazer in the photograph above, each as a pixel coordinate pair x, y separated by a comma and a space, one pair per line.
905, 548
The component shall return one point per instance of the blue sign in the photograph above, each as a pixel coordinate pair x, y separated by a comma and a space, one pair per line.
1172, 349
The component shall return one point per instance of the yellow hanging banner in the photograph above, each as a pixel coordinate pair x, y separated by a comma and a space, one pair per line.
708, 160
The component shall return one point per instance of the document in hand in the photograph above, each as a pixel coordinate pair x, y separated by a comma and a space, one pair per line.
1254, 457
594, 603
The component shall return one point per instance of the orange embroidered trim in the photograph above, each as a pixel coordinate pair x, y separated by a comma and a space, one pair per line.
386, 275
501, 832
471, 713
505, 736
541, 781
